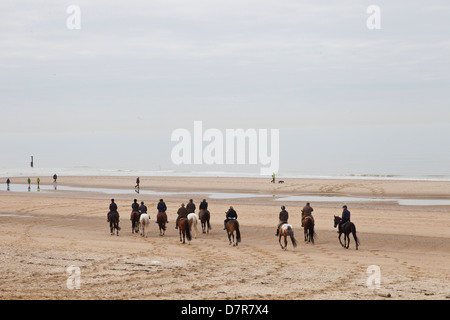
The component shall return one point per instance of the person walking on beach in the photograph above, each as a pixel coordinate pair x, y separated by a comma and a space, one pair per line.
307, 212
190, 207
38, 182
182, 213
137, 183
284, 216
54, 178
29, 183
7, 183
273, 177
230, 215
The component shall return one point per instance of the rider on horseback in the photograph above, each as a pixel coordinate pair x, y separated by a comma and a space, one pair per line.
112, 208
190, 207
284, 216
143, 208
182, 213
306, 212
345, 217
231, 215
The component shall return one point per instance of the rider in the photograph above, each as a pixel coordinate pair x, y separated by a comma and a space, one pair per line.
203, 205
306, 212
345, 216
230, 215
161, 206
135, 206
112, 208
143, 208
284, 216
190, 207
182, 213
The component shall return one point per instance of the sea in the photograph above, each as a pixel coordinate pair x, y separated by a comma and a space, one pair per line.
417, 152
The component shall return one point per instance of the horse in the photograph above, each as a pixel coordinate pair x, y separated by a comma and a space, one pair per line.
232, 226
144, 224
346, 228
183, 226
161, 220
286, 230
308, 229
134, 221
113, 218
204, 216
193, 221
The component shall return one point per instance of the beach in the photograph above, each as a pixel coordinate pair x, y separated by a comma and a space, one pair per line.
46, 234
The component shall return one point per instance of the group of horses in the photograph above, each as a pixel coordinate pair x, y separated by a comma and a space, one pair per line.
140, 223
286, 230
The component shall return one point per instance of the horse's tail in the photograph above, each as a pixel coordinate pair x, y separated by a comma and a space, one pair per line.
291, 234
238, 233
354, 235
188, 233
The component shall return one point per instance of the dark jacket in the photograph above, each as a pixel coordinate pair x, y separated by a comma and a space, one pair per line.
143, 208
345, 216
162, 207
203, 205
231, 214
284, 216
307, 210
190, 207
113, 207
135, 206
182, 213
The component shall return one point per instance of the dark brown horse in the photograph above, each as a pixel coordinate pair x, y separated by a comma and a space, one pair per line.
134, 217
113, 219
308, 229
345, 229
161, 220
183, 226
204, 217
232, 226
286, 230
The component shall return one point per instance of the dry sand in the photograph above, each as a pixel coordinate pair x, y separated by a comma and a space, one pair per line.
43, 233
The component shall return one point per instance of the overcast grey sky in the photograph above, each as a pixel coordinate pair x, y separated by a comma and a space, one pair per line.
141, 65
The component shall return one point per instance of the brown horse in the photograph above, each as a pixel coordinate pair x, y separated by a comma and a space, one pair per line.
204, 217
232, 226
286, 230
183, 226
134, 217
161, 220
308, 229
113, 219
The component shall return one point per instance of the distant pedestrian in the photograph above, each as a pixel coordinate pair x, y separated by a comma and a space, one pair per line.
29, 183
38, 181
54, 178
137, 183
7, 183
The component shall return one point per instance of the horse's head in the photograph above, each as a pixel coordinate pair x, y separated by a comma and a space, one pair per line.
336, 220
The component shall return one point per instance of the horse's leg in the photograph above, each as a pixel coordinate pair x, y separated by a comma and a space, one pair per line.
229, 237
279, 240
340, 234
285, 242
348, 240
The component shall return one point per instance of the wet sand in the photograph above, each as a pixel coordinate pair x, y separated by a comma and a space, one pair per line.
44, 233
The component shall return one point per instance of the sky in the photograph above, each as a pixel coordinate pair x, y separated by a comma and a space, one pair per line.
149, 67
